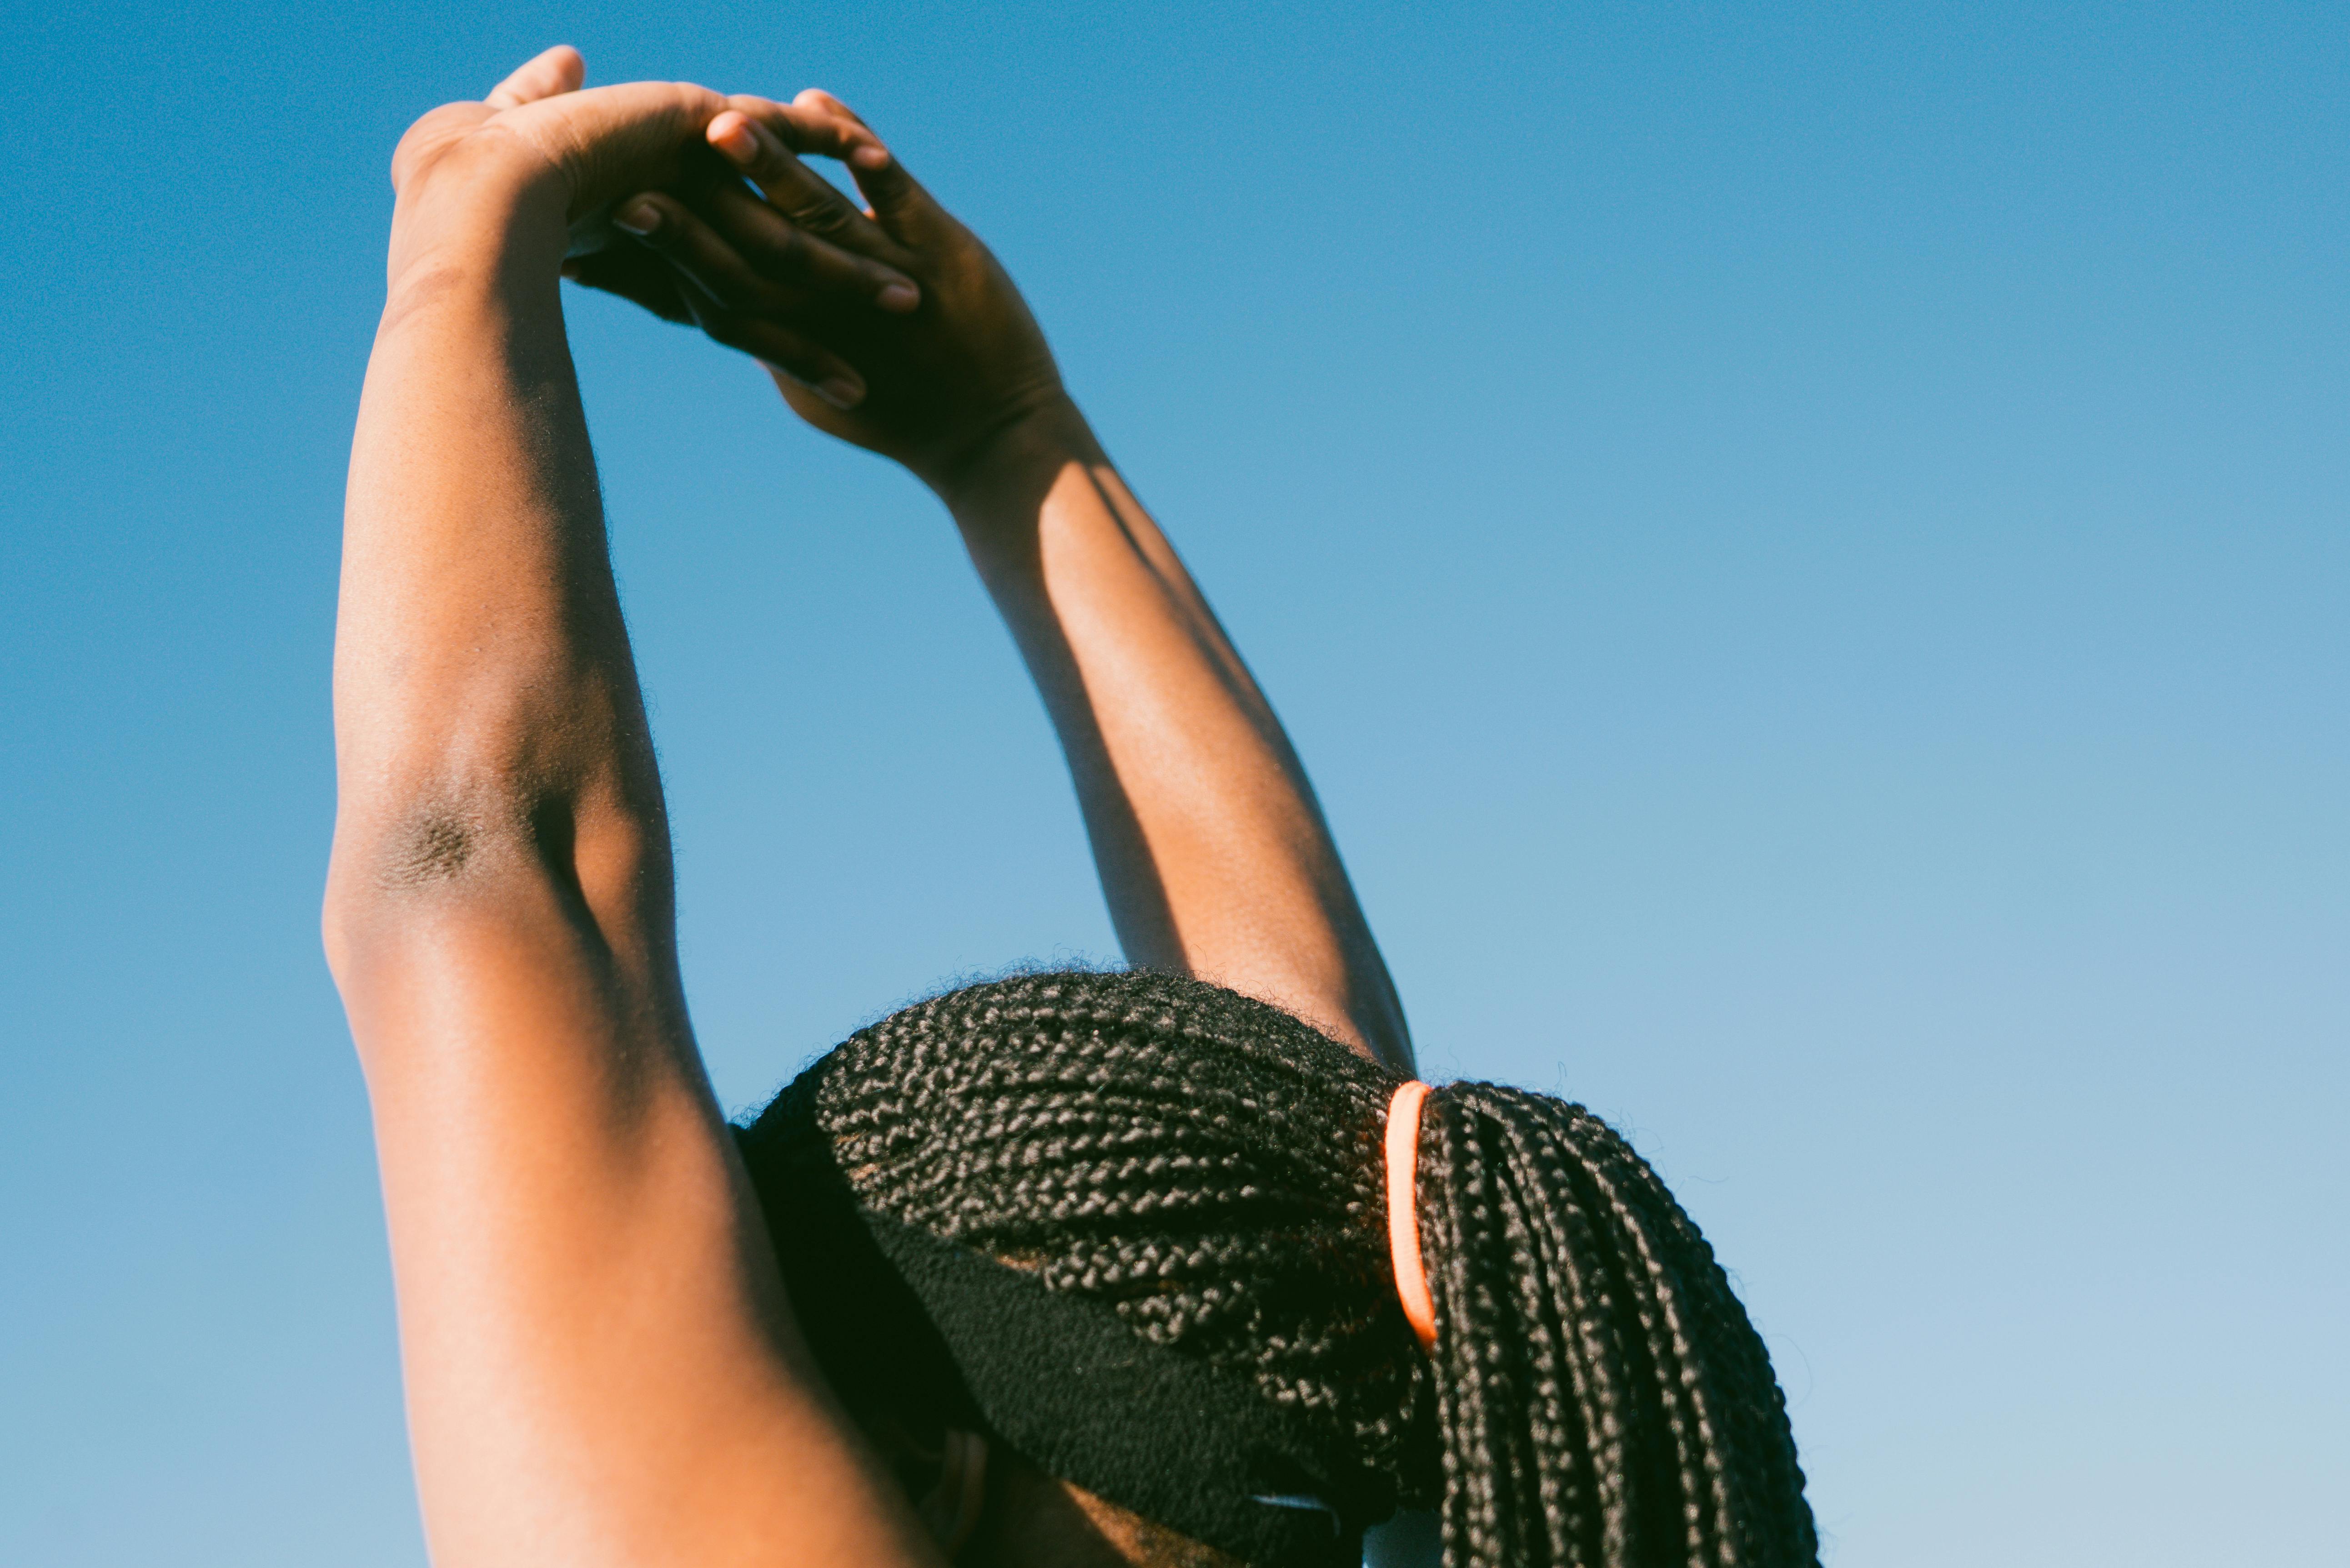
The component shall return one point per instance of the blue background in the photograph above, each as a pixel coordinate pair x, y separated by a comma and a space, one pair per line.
1803, 547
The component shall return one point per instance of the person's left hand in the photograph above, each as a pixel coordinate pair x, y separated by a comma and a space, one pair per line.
808, 262
939, 385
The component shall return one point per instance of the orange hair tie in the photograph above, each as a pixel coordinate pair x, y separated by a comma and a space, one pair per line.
1403, 1212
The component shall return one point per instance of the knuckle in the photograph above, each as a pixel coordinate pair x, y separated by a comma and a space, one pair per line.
785, 245
820, 214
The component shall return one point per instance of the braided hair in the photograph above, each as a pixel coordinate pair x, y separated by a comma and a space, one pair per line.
1210, 1168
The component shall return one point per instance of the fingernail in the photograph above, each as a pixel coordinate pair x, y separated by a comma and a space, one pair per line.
841, 392
738, 142
871, 156
899, 297
638, 218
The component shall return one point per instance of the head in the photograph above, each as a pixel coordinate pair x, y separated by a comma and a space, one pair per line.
1102, 1259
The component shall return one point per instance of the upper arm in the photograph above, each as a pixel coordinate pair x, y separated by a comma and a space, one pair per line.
601, 1366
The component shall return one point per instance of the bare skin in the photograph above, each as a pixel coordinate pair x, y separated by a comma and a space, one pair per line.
602, 1367
1212, 852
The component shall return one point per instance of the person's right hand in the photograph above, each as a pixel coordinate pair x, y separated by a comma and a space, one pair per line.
596, 144
586, 147
936, 388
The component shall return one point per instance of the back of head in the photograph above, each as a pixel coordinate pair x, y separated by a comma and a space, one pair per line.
1177, 1194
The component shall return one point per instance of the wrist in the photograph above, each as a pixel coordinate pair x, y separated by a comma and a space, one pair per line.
1008, 470
483, 206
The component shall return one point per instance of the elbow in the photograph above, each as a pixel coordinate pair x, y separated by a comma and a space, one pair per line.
400, 865
396, 863
430, 837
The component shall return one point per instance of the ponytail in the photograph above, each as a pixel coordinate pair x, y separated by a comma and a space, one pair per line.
1601, 1396
1139, 1227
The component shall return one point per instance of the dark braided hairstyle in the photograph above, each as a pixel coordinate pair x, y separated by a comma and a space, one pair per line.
1212, 1168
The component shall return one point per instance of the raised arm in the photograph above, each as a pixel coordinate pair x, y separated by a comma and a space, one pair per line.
1213, 851
600, 1364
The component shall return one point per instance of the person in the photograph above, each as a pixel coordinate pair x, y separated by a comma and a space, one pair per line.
1172, 1264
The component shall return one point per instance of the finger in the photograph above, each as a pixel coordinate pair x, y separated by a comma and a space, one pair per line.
751, 259
807, 125
788, 355
900, 205
809, 199
716, 276
558, 70
637, 275
694, 251
782, 252
815, 121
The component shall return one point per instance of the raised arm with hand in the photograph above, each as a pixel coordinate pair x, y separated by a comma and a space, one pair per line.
600, 1363
1212, 852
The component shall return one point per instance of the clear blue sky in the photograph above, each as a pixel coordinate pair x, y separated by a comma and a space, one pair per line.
1804, 549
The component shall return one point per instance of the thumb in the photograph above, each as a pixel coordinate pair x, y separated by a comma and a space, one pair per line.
556, 70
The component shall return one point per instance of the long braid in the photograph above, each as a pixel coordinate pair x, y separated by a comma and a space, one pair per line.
1212, 1168
1603, 1397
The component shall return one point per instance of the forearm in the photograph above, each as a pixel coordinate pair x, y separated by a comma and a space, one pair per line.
1213, 851
483, 689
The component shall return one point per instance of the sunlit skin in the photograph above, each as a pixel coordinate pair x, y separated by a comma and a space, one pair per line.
1212, 853
601, 1364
